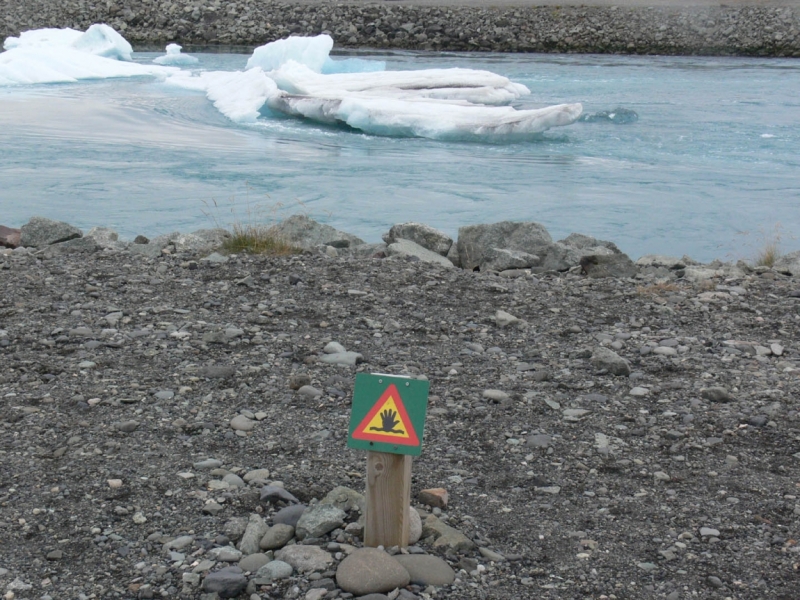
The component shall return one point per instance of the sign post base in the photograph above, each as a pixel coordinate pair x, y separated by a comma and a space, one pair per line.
388, 499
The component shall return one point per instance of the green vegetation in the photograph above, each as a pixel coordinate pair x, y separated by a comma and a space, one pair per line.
257, 239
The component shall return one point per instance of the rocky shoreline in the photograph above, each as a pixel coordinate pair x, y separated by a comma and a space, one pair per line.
173, 420
729, 31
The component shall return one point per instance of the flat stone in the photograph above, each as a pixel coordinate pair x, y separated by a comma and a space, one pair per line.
305, 559
225, 554
277, 536
639, 392
709, 532
369, 571
207, 465
425, 569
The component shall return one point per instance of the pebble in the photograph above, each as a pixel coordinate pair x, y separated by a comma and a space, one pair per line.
639, 392
242, 423
709, 532
435, 497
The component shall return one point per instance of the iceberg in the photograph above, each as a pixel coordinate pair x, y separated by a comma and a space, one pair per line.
309, 51
100, 40
297, 77
67, 56
174, 58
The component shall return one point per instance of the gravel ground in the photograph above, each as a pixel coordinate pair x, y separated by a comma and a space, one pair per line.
674, 27
121, 373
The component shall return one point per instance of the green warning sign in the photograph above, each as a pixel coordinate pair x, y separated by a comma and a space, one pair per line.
388, 414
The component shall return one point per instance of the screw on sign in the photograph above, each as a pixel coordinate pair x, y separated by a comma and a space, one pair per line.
388, 420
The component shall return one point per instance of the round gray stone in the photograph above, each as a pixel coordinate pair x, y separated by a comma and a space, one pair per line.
276, 569
369, 571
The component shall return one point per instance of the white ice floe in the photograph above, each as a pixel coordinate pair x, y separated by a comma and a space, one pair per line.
67, 55
174, 58
478, 87
434, 119
239, 95
297, 77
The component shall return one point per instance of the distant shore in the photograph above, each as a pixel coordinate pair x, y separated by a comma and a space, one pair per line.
763, 29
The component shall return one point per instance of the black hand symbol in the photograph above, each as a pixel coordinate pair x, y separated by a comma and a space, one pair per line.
388, 422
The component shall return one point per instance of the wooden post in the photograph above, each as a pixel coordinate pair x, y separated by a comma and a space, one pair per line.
388, 499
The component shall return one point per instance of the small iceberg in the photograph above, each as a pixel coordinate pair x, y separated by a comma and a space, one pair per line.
174, 58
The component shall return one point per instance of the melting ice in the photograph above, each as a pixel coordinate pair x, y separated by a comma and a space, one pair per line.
297, 77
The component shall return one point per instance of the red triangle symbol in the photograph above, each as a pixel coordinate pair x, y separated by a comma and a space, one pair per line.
388, 421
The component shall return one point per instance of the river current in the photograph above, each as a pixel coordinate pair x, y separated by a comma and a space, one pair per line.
711, 168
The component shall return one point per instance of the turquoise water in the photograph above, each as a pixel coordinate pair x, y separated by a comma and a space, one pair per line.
711, 168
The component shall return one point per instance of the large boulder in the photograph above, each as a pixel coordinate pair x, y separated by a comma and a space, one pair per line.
567, 253
39, 232
303, 232
788, 263
202, 240
500, 259
419, 233
475, 241
608, 265
9, 237
408, 248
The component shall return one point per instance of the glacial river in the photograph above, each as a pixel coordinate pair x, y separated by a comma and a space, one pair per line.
711, 168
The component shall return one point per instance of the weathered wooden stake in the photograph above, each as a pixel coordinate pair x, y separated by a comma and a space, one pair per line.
388, 499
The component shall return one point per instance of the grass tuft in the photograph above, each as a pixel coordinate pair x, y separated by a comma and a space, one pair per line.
657, 289
769, 254
253, 235
257, 239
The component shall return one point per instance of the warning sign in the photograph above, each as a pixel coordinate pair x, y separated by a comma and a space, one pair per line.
388, 414
388, 421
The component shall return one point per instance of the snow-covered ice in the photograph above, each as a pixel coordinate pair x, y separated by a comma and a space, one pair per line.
309, 51
296, 76
174, 58
67, 55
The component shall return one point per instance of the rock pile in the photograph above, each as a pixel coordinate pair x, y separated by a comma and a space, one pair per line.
725, 30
